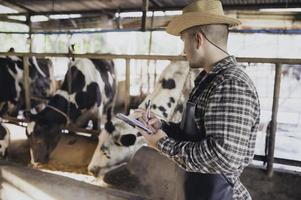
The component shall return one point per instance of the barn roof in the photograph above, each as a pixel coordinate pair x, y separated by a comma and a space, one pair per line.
88, 6
102, 13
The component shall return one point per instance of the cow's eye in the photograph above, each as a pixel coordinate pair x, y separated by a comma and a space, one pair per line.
105, 151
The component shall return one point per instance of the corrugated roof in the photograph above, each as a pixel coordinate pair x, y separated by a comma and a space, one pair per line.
101, 13
72, 6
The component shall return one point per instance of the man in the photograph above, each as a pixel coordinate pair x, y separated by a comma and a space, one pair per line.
216, 138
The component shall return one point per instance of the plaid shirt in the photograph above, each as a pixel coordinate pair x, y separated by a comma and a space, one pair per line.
230, 109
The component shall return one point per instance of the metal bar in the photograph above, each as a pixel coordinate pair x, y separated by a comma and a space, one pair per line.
29, 24
4, 19
149, 57
98, 56
21, 122
144, 12
272, 134
82, 130
266, 31
127, 85
282, 161
165, 8
80, 32
26, 83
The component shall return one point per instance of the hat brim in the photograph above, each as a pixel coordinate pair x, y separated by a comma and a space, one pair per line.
185, 21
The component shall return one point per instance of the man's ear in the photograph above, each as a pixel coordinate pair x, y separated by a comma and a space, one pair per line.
199, 39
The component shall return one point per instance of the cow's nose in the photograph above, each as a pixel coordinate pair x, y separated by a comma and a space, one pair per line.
94, 171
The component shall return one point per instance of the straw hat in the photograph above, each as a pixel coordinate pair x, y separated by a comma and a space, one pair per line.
200, 12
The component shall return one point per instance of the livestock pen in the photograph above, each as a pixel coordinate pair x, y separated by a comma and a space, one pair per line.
252, 171
272, 62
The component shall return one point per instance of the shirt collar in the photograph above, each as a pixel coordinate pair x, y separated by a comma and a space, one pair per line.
225, 63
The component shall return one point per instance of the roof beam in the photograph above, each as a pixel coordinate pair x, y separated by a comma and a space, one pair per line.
145, 6
17, 6
156, 3
155, 6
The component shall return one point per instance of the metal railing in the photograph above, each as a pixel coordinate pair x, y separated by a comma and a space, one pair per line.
277, 61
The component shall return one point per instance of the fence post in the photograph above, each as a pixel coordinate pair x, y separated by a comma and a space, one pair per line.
273, 129
26, 83
127, 85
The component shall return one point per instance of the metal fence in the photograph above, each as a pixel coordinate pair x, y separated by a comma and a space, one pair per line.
269, 158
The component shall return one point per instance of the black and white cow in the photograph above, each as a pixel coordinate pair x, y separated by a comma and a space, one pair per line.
4, 140
87, 92
119, 141
11, 83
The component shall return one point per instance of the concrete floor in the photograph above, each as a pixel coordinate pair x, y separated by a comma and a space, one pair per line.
150, 174
145, 176
24, 183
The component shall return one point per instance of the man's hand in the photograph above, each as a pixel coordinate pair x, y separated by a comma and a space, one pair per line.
153, 139
154, 124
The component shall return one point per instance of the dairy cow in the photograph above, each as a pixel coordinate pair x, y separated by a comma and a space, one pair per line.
87, 91
11, 83
4, 140
118, 141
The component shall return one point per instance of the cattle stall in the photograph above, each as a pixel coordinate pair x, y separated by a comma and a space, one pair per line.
124, 170
145, 174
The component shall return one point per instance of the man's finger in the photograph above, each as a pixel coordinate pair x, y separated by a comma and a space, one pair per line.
143, 132
153, 121
141, 120
141, 109
137, 113
153, 130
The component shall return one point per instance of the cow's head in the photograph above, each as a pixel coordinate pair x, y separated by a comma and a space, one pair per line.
43, 138
117, 143
42, 82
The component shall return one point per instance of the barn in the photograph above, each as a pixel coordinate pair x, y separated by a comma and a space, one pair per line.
68, 68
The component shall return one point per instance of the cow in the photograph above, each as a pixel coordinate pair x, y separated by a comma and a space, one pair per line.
118, 142
41, 79
87, 92
4, 140
292, 71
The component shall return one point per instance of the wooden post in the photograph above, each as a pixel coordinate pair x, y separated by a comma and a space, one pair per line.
28, 22
272, 136
127, 85
26, 83
144, 14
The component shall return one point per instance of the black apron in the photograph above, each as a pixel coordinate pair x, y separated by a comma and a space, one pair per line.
198, 186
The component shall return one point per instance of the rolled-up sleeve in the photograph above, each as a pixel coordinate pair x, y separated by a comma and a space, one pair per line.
230, 114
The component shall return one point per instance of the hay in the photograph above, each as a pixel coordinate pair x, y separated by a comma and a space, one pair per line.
72, 154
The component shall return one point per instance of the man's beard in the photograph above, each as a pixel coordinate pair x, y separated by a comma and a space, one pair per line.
194, 65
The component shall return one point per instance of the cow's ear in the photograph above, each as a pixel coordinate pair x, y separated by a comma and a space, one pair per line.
127, 140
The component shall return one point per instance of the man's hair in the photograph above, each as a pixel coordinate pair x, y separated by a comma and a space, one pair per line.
216, 33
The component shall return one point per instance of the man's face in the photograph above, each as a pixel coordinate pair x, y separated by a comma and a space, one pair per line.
192, 49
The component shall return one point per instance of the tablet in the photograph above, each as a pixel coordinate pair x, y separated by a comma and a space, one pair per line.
133, 122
